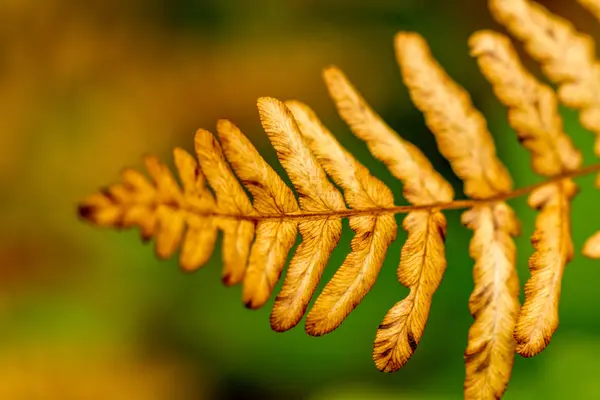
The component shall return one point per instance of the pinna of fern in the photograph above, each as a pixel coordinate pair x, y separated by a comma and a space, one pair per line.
259, 231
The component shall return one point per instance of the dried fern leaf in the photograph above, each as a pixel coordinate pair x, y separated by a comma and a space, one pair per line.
271, 196
592, 5
533, 111
232, 200
422, 261
494, 303
553, 250
373, 233
422, 266
422, 184
460, 130
318, 195
566, 56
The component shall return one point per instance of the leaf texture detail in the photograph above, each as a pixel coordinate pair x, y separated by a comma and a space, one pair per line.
553, 250
422, 266
533, 110
494, 303
422, 184
460, 130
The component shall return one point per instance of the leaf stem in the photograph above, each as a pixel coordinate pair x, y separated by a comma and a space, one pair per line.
453, 205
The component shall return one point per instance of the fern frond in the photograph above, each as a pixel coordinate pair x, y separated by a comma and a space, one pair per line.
160, 209
494, 303
259, 231
553, 250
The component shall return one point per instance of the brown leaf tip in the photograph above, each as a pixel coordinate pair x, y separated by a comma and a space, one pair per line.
532, 348
86, 212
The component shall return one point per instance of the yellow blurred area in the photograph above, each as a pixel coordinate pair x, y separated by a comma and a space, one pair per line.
74, 373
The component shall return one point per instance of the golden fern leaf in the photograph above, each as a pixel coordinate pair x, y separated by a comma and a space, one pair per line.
373, 233
533, 113
452, 118
553, 250
422, 261
271, 196
422, 184
494, 303
566, 56
455, 122
422, 266
533, 110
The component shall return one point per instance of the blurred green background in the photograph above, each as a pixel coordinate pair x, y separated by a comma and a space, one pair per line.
86, 88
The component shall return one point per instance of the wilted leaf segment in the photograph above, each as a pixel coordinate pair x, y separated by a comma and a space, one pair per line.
210, 191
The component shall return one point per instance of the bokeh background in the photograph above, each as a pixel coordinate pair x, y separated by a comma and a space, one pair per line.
87, 88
